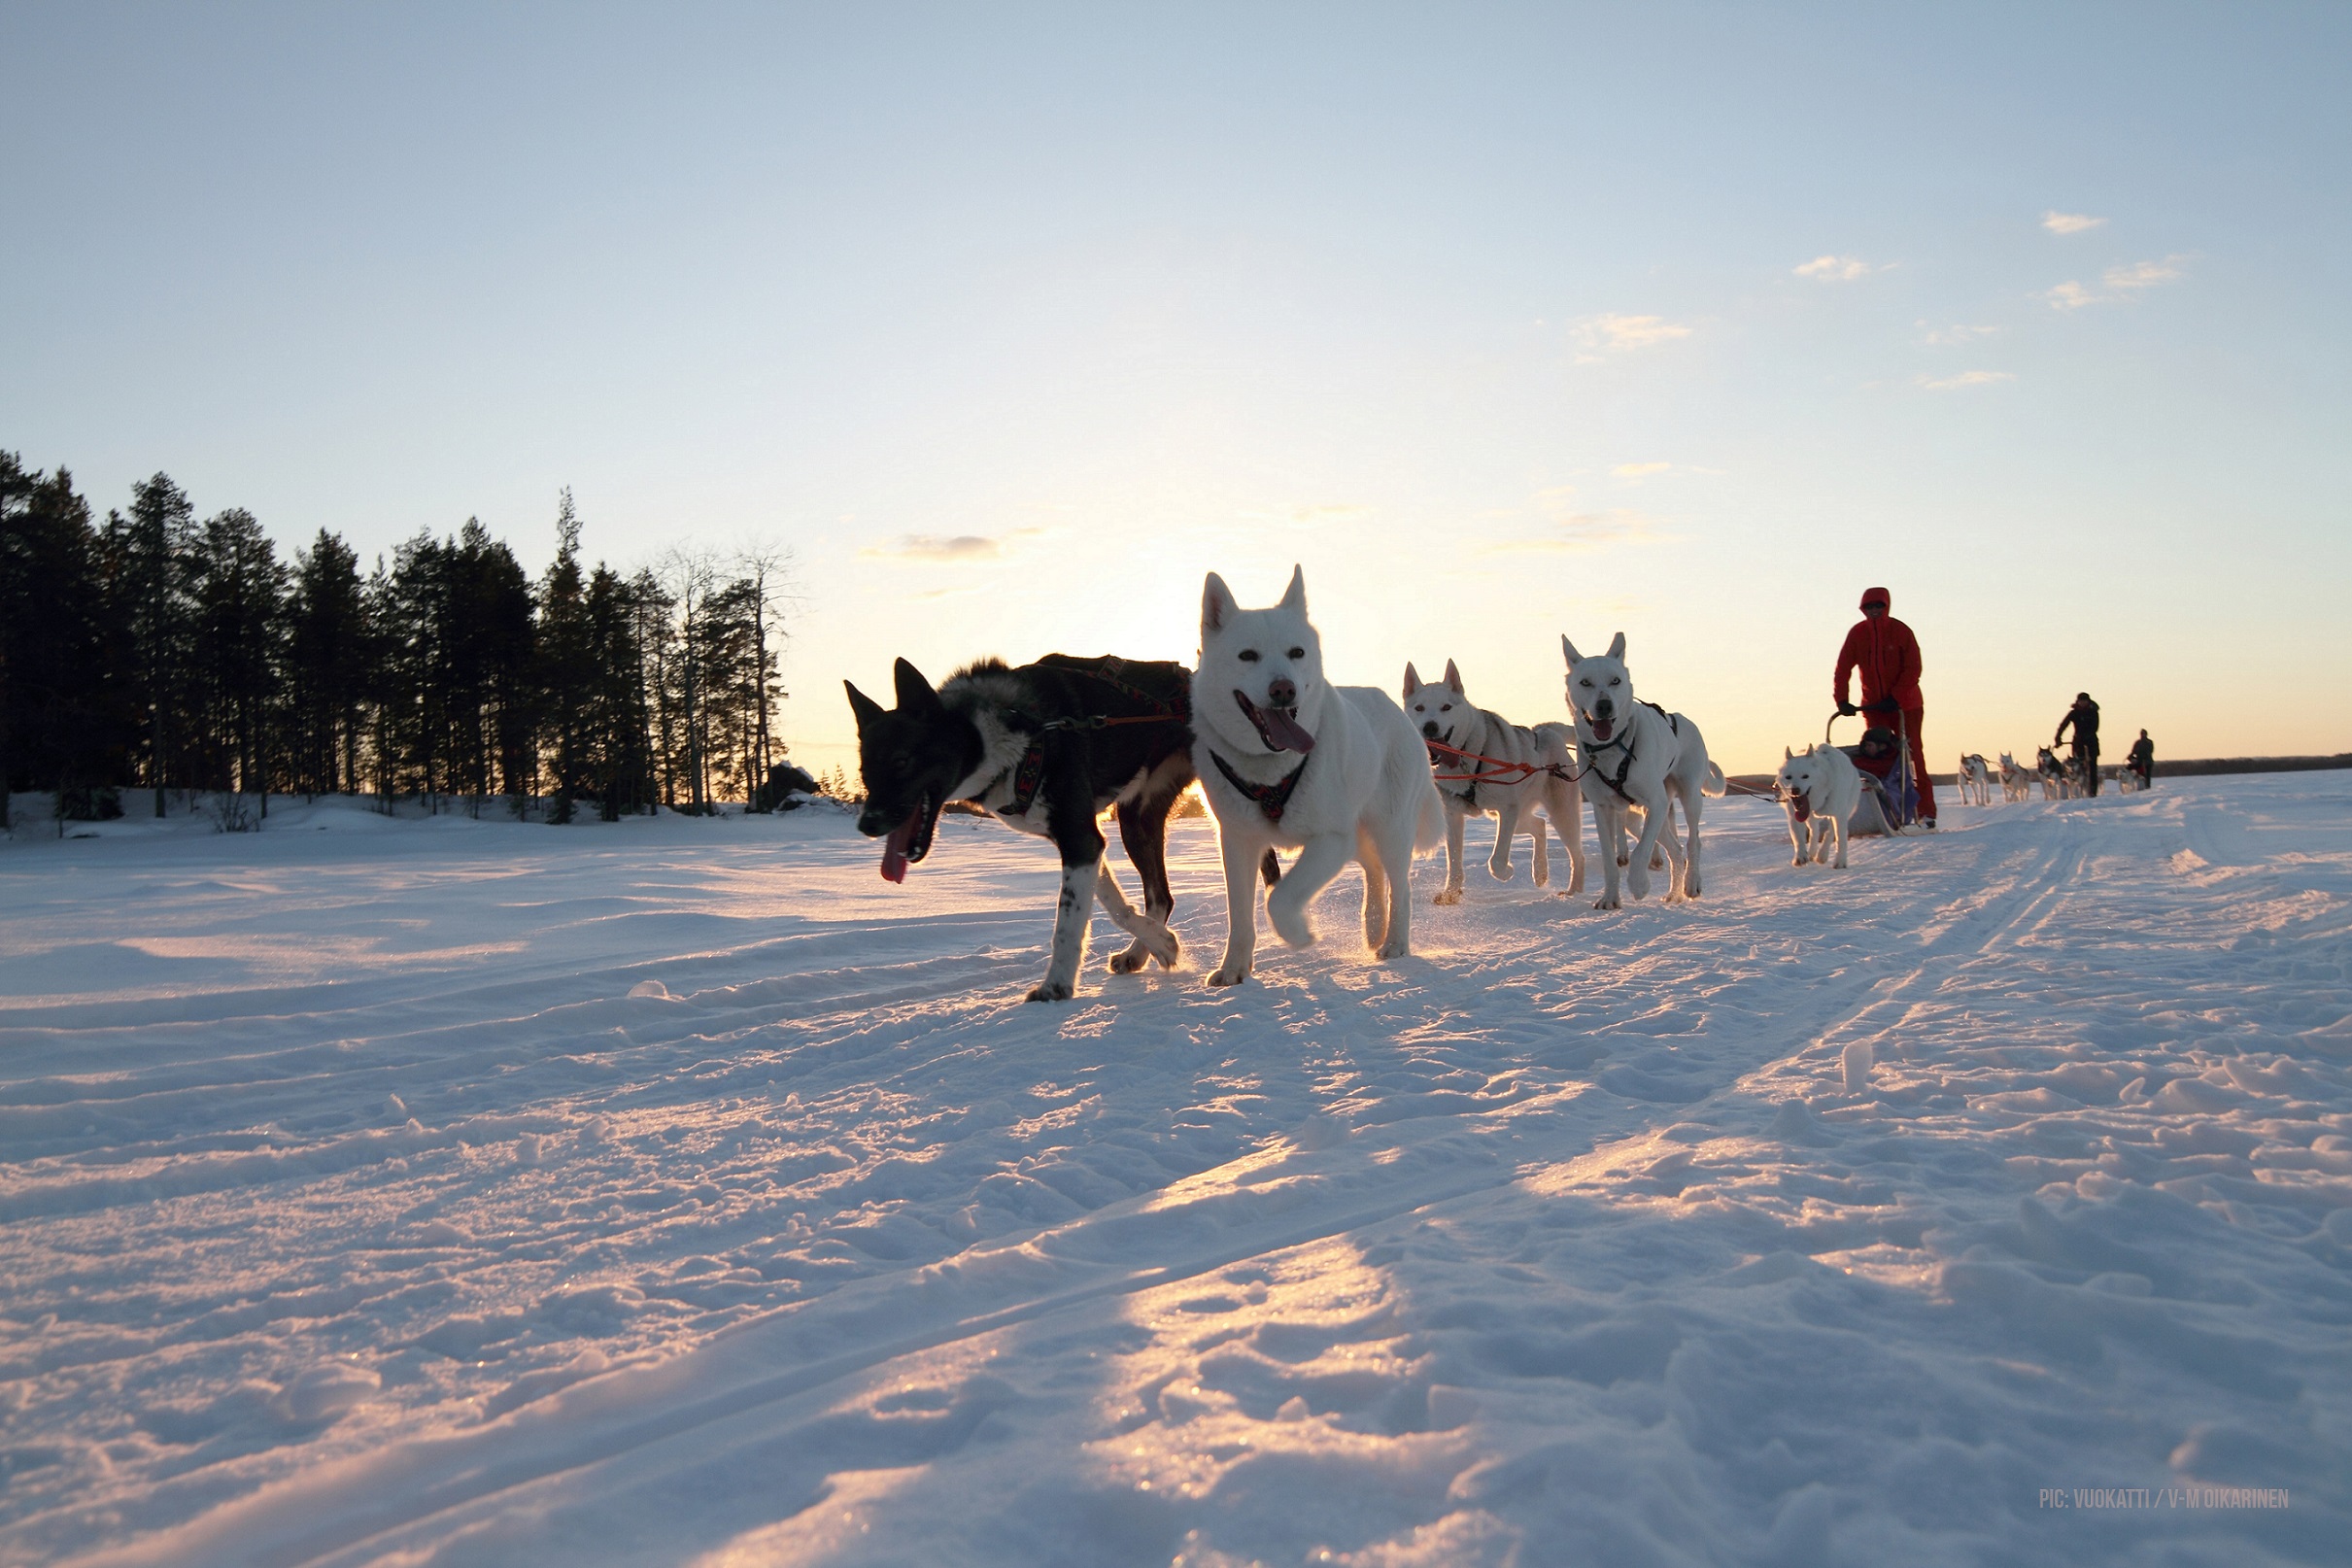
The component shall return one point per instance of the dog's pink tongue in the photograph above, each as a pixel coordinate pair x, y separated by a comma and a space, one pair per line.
1285, 731
1601, 728
894, 850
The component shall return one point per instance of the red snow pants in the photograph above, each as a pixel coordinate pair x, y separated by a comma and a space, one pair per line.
1918, 752
1918, 762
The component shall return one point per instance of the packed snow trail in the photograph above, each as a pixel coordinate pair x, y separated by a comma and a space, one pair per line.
679, 1192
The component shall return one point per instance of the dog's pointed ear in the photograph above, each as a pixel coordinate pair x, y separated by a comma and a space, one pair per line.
1453, 678
1412, 678
1568, 652
1294, 598
1789, 753
865, 707
1217, 605
1617, 646
915, 695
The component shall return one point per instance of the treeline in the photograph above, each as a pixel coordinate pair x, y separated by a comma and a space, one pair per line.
157, 652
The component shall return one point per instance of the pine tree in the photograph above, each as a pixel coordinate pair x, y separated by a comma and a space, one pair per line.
327, 666
566, 674
240, 590
60, 716
153, 549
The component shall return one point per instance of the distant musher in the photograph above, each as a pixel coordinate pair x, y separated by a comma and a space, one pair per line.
1887, 654
2142, 759
2084, 717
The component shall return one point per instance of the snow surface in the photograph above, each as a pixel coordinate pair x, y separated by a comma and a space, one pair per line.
462, 1192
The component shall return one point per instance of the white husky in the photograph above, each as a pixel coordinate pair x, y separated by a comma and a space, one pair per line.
2017, 779
1821, 790
1636, 755
1287, 759
1975, 780
1508, 768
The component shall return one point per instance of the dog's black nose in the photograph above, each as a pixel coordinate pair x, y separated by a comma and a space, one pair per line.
1604, 707
1282, 693
1429, 731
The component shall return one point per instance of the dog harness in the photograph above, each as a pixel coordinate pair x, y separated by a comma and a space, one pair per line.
1624, 743
1270, 797
1494, 770
1029, 774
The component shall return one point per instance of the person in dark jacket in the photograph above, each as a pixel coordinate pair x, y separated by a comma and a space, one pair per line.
2142, 758
2084, 718
1887, 655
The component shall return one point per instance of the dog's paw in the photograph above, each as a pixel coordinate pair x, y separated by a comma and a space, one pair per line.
1606, 902
1051, 991
1155, 941
1637, 881
1129, 960
1447, 897
1288, 917
1229, 975
1502, 872
1393, 949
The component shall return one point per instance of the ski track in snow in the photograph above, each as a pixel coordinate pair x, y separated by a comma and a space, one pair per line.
678, 1192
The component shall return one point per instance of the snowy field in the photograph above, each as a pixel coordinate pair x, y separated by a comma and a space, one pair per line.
673, 1192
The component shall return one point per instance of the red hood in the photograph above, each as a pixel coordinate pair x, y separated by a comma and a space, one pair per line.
1869, 594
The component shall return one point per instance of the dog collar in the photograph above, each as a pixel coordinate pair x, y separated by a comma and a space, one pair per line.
1270, 797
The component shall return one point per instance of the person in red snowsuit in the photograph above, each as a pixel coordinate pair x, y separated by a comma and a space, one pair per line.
1887, 654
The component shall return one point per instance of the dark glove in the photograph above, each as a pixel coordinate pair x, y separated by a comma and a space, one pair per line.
1847, 710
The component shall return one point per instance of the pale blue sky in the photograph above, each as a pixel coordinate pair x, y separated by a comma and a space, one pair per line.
1500, 320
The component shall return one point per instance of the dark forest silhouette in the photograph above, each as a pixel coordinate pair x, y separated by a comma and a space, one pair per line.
159, 654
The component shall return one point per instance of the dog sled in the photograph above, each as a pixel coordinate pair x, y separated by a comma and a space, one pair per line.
1890, 801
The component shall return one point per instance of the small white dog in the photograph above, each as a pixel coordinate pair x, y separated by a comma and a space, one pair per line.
1975, 780
1509, 769
1821, 790
1636, 755
1287, 759
2017, 779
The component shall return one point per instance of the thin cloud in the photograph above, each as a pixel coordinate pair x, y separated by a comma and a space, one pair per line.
1958, 332
2118, 283
1640, 471
2058, 222
1836, 268
946, 546
2142, 274
1581, 531
1613, 333
1966, 378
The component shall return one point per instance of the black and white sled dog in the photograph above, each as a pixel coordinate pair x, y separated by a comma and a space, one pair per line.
1822, 789
1636, 755
1507, 768
1975, 780
2058, 779
1287, 759
1045, 748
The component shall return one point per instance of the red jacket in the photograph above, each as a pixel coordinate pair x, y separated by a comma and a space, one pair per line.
1887, 654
